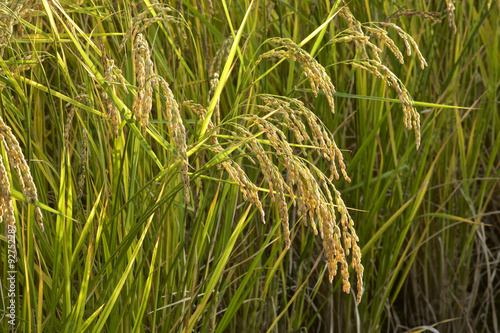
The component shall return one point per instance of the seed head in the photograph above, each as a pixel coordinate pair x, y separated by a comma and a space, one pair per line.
450, 10
18, 163
141, 22
6, 206
178, 132
83, 161
146, 79
313, 70
111, 74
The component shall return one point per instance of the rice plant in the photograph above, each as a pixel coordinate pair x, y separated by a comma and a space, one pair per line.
179, 166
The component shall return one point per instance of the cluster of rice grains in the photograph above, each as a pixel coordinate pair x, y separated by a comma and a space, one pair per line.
143, 101
312, 68
145, 81
249, 190
111, 74
375, 66
316, 197
6, 206
142, 21
18, 163
450, 11
10, 13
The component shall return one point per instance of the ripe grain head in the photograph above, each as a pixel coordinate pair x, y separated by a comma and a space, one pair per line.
6, 205
178, 132
142, 21
146, 79
18, 163
313, 70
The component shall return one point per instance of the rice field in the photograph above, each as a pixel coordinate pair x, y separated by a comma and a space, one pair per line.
249, 166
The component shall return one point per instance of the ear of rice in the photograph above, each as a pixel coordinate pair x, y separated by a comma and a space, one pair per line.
315, 196
146, 79
6, 205
313, 70
18, 163
178, 132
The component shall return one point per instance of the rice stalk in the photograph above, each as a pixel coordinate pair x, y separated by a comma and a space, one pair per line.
294, 114
375, 66
221, 55
236, 173
312, 194
382, 35
409, 43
